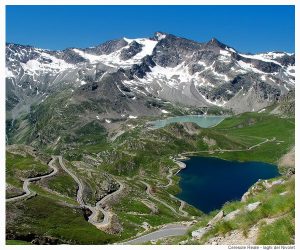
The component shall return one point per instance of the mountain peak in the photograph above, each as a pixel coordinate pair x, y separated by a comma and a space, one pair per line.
216, 43
159, 35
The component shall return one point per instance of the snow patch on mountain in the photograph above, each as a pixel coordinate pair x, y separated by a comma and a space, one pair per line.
8, 73
91, 58
38, 65
231, 49
268, 57
179, 72
160, 36
274, 55
148, 46
248, 67
291, 70
225, 53
174, 71
113, 59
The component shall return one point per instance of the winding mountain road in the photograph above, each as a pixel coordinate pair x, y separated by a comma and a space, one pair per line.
28, 180
182, 204
100, 205
75, 178
148, 191
169, 177
166, 231
177, 230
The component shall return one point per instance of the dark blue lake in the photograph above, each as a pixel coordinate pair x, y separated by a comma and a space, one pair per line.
207, 182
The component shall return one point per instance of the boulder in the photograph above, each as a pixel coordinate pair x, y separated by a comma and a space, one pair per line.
200, 232
232, 215
252, 206
217, 218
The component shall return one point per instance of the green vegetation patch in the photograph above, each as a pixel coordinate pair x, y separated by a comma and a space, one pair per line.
280, 232
249, 129
43, 216
17, 242
18, 167
64, 184
273, 205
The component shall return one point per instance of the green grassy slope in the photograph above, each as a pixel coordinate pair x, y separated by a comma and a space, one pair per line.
19, 167
278, 208
143, 154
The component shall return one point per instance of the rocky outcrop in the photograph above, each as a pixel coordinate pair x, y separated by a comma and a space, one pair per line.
168, 67
259, 187
197, 234
201, 231
133, 49
252, 206
232, 215
238, 237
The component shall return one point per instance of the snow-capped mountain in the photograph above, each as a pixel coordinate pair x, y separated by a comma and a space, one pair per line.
164, 66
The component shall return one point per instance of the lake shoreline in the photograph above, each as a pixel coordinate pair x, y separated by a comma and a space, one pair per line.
213, 179
203, 121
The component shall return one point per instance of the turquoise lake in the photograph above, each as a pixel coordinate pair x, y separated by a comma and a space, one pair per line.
207, 183
201, 120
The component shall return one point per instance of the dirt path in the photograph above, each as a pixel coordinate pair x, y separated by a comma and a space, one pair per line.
28, 180
169, 177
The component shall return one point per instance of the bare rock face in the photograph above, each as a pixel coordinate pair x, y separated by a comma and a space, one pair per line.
260, 186
126, 78
201, 231
115, 226
134, 48
220, 217
217, 218
202, 73
249, 208
86, 213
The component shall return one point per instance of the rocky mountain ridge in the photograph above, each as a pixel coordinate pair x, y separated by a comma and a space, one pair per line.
164, 66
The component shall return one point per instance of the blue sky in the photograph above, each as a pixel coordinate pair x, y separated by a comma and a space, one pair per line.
246, 28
